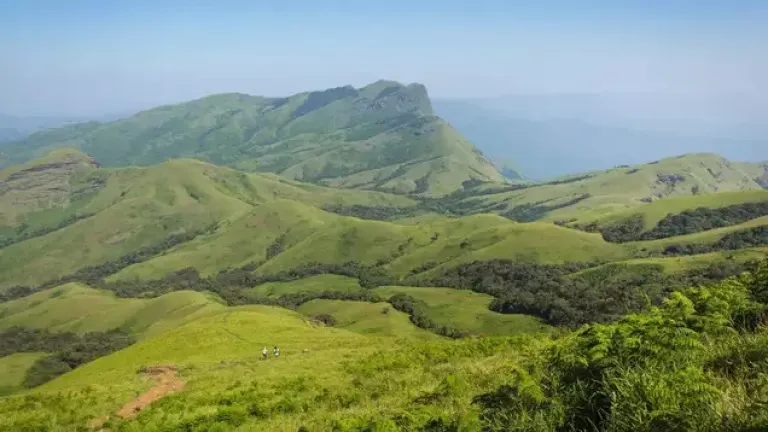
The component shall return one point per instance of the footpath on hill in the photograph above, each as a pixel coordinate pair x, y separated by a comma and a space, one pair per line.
167, 381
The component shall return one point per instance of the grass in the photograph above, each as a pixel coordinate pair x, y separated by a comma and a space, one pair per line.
466, 311
367, 318
387, 140
614, 191
13, 369
325, 282
343, 377
138, 207
679, 264
656, 211
78, 308
704, 237
308, 234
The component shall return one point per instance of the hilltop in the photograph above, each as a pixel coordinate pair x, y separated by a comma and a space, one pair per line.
383, 136
599, 193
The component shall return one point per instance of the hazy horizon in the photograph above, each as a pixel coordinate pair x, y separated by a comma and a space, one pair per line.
86, 58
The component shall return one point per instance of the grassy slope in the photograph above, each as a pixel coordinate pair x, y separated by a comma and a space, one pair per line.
138, 207
337, 379
691, 262
621, 188
653, 212
13, 368
466, 311
382, 136
78, 308
325, 282
311, 235
367, 318
704, 237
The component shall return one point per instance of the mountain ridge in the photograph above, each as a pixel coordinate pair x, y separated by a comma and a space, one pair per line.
383, 136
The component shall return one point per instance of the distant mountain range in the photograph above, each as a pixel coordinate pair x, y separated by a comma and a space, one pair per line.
383, 136
549, 136
13, 128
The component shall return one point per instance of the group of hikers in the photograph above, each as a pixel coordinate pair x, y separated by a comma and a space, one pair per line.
275, 352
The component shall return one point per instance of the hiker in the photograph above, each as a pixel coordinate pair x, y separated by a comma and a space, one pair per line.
276, 352
264, 353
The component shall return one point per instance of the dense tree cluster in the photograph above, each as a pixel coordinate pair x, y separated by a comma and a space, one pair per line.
751, 237
416, 310
70, 350
686, 222
382, 213
326, 319
534, 212
565, 296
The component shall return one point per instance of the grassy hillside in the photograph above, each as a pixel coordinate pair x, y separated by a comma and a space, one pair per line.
466, 311
367, 318
342, 378
382, 136
592, 195
13, 368
691, 361
134, 208
325, 282
307, 235
77, 308
654, 212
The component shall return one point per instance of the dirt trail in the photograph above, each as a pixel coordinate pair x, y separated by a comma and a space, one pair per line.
167, 381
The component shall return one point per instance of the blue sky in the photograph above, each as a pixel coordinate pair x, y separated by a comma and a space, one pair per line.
94, 57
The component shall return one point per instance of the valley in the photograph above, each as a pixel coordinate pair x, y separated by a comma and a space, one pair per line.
406, 282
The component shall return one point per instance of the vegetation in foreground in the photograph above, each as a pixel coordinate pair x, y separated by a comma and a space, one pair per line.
695, 362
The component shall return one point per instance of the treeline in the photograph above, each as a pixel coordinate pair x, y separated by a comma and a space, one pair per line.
563, 295
70, 350
534, 212
22, 232
235, 294
687, 222
382, 213
94, 275
416, 310
751, 237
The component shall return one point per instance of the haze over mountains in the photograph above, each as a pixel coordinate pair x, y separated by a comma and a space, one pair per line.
552, 135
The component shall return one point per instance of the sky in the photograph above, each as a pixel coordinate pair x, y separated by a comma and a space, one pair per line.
89, 58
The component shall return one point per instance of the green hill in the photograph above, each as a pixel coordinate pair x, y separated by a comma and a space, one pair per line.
367, 318
466, 311
13, 368
383, 136
593, 195
80, 309
128, 209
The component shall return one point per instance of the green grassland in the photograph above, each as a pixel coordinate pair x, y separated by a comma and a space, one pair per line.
604, 193
139, 207
330, 378
704, 237
680, 264
653, 212
367, 318
80, 309
382, 136
466, 311
13, 368
319, 283
342, 378
308, 234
